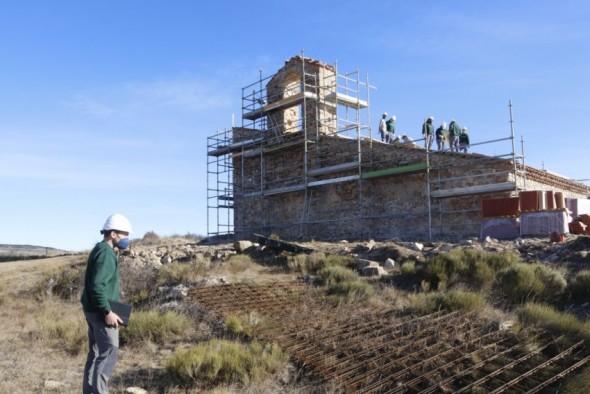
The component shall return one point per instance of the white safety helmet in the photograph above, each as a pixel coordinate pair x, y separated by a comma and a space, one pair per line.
384, 113
431, 118
117, 222
464, 129
393, 118
444, 125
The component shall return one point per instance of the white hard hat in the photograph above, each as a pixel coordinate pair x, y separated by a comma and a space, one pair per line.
464, 129
430, 118
384, 113
393, 117
444, 124
117, 222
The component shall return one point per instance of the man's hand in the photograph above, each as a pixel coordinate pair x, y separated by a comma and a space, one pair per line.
112, 319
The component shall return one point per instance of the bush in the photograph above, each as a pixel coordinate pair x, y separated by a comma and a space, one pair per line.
239, 263
151, 238
64, 284
225, 362
336, 274
408, 269
243, 325
344, 283
526, 282
422, 303
446, 269
351, 290
518, 283
471, 267
314, 262
138, 297
154, 326
559, 323
579, 286
464, 300
554, 282
454, 300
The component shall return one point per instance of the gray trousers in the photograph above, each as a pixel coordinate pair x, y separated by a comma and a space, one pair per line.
102, 354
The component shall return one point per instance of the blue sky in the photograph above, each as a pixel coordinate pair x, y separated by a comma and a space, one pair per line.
106, 106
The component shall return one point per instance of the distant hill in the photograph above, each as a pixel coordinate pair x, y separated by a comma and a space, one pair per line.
19, 252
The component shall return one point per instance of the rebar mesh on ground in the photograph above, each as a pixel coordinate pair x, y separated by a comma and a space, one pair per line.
376, 351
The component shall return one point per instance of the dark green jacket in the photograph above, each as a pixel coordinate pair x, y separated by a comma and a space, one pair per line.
427, 129
464, 139
102, 281
390, 124
454, 129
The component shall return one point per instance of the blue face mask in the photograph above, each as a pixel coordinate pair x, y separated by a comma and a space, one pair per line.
123, 244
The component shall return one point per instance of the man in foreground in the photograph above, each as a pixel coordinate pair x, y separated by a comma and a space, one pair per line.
101, 284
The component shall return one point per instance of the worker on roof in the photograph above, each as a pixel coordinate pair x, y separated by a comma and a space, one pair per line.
383, 127
454, 133
428, 132
464, 141
390, 125
440, 136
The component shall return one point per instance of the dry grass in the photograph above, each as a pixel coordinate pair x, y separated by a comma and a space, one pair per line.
43, 337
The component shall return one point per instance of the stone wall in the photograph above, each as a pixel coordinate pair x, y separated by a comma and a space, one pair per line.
394, 206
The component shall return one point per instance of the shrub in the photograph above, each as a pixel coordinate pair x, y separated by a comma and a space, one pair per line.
344, 283
154, 326
524, 282
446, 269
65, 283
560, 323
454, 300
553, 281
151, 238
242, 325
579, 286
518, 283
225, 362
139, 297
336, 274
351, 290
422, 303
239, 263
315, 261
465, 300
471, 267
408, 269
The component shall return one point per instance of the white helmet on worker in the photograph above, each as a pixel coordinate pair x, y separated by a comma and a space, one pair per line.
117, 222
464, 129
393, 118
431, 118
444, 124
384, 113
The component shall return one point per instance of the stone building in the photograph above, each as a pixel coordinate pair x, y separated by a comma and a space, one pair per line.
304, 165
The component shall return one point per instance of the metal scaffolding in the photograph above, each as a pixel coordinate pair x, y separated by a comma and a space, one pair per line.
306, 131
348, 97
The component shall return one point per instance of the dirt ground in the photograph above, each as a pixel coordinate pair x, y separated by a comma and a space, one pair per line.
29, 364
